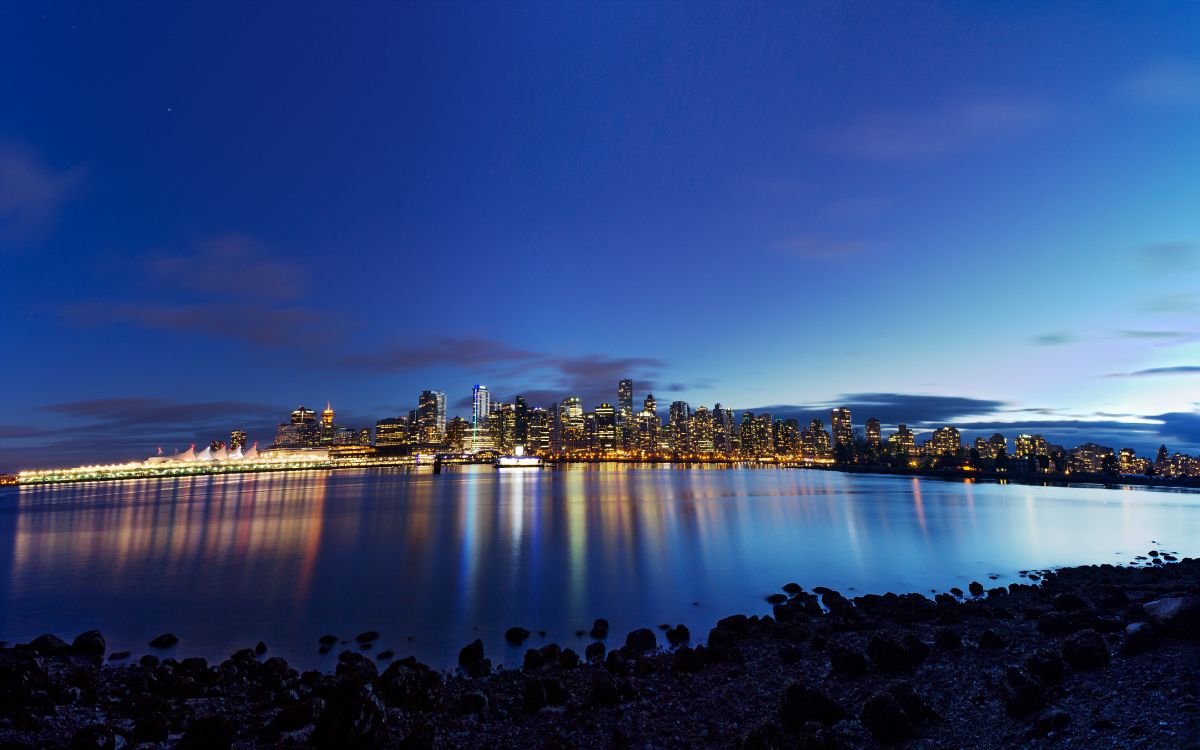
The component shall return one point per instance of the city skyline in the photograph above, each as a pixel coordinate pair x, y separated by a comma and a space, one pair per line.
793, 210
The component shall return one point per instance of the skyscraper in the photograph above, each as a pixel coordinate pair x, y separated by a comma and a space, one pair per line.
432, 414
327, 426
237, 439
624, 400
481, 407
606, 428
873, 433
839, 422
649, 404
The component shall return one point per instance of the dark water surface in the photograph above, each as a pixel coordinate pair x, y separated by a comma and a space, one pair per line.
433, 562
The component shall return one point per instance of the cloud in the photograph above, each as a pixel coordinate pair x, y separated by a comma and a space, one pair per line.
815, 248
889, 408
31, 194
1171, 83
469, 352
251, 323
1158, 372
1057, 338
232, 265
919, 135
1153, 334
1171, 303
1170, 257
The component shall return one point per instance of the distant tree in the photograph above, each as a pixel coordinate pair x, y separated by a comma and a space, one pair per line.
1110, 466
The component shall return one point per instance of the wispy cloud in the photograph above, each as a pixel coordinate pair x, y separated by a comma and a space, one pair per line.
1169, 257
31, 195
891, 408
232, 265
1169, 83
251, 323
1173, 302
1153, 372
1057, 338
908, 136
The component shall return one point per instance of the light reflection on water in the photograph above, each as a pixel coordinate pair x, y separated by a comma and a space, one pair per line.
433, 561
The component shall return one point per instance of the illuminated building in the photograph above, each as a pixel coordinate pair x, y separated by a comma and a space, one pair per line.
1162, 464
997, 446
537, 438
874, 433
431, 410
502, 427
606, 428
364, 436
724, 431
216, 445
481, 407
521, 415
327, 426
571, 424
946, 441
647, 431
1091, 458
748, 436
815, 442
649, 404
300, 432
1128, 461
902, 442
458, 435
839, 423
677, 417
391, 432
237, 439
1030, 446
624, 400
787, 437
700, 428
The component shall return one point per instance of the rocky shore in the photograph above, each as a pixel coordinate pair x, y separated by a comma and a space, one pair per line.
1086, 657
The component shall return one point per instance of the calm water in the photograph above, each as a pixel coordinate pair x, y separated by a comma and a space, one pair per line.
434, 561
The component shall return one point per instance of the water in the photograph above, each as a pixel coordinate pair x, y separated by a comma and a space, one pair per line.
433, 562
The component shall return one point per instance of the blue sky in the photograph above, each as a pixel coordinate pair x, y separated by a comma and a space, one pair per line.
211, 213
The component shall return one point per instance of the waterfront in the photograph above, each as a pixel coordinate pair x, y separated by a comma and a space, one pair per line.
434, 561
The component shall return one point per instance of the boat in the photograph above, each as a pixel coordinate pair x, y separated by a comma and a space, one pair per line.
518, 460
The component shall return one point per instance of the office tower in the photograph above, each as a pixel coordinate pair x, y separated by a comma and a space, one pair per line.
237, 439
647, 431
301, 415
521, 414
606, 428
537, 436
839, 422
748, 440
570, 416
815, 443
677, 417
625, 400
432, 411
481, 407
414, 425
700, 429
459, 435
502, 427
787, 437
873, 433
649, 404
391, 432
724, 431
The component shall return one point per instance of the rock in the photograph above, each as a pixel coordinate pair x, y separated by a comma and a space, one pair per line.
1069, 603
846, 661
767, 735
600, 629
356, 667
98, 737
1020, 693
353, 719
568, 658
385, 655
1054, 623
328, 640
90, 643
991, 640
976, 588
885, 719
801, 703
616, 663
1138, 637
471, 653
149, 661
956, 591
1085, 650
1179, 615
366, 637
604, 690
889, 654
211, 732
1112, 597
533, 660
516, 635
594, 651
260, 648
1046, 665
1050, 721
166, 640
640, 641
533, 696
678, 635
49, 645
687, 659
474, 702
152, 727
947, 638
297, 715
789, 654
722, 636
793, 588
776, 598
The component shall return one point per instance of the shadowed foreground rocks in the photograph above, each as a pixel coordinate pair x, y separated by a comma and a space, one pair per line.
1090, 657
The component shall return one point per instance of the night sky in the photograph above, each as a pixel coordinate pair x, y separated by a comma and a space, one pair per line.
984, 213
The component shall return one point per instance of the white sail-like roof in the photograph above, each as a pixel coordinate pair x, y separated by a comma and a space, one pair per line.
205, 455
221, 454
187, 455
236, 455
252, 453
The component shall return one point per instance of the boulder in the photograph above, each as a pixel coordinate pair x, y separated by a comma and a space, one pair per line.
594, 651
208, 733
90, 643
97, 737
600, 629
991, 640
367, 637
166, 640
471, 653
1085, 650
885, 719
49, 645
678, 635
516, 635
889, 654
1177, 615
352, 720
1138, 637
533, 695
801, 703
1020, 693
1069, 603
846, 661
1054, 623
1046, 665
604, 689
328, 640
640, 641
976, 588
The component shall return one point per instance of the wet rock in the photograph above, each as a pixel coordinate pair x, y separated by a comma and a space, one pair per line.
260, 648
767, 735
356, 667
297, 715
149, 661
328, 640
1179, 615
385, 655
801, 703
366, 637
166, 640
640, 641
516, 635
594, 651
722, 636
568, 659
1085, 650
603, 690
1137, 638
474, 702
616, 663
98, 737
599, 629
885, 719
1055, 623
1112, 597
49, 645
687, 659
533, 696
118, 655
956, 591
845, 660
90, 643
793, 588
976, 588
353, 719
1046, 665
991, 640
533, 660
889, 654
1068, 602
678, 635
947, 638
550, 652
471, 653
776, 598
1020, 693
152, 727
212, 732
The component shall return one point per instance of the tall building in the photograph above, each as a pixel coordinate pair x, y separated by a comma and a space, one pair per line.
327, 426
458, 435
392, 431
839, 422
902, 442
301, 431
649, 404
606, 428
624, 400
677, 418
521, 414
502, 427
537, 436
481, 407
237, 439
724, 431
787, 437
700, 428
432, 414
873, 433
571, 424
815, 442
945, 441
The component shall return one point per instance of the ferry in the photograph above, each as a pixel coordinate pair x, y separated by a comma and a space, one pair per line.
518, 460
